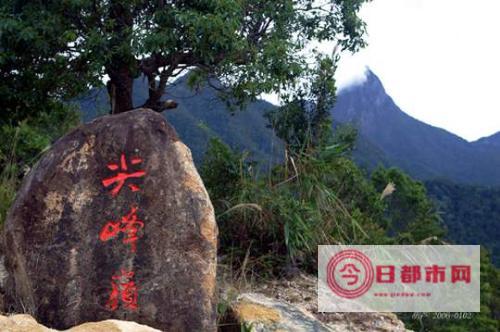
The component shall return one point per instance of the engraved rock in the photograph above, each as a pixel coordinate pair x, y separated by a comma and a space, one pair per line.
114, 223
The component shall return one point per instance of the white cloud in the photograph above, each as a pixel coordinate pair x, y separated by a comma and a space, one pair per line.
438, 59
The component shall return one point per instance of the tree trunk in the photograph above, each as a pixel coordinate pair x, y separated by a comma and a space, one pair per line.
154, 101
120, 85
120, 90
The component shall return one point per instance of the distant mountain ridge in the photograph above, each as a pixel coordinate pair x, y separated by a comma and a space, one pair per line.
424, 151
493, 140
200, 116
459, 176
386, 135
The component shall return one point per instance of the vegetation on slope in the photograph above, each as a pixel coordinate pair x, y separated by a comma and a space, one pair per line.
471, 213
271, 223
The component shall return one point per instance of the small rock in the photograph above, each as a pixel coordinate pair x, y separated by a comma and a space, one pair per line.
287, 291
26, 323
263, 314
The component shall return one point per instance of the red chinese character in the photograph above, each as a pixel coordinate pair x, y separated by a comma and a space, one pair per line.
351, 270
435, 274
385, 273
129, 225
122, 175
410, 274
124, 289
460, 273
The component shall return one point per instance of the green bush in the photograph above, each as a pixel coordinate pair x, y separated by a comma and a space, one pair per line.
270, 224
23, 144
275, 222
23, 141
410, 214
8, 187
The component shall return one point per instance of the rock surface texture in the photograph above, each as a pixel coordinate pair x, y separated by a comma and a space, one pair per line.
114, 222
263, 314
291, 305
26, 323
260, 313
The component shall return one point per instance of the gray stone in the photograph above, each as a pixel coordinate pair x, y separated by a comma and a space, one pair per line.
263, 314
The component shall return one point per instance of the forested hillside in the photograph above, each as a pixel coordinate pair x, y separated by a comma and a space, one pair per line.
201, 115
385, 137
471, 213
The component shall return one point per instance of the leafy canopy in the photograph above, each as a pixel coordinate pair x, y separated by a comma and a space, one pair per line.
303, 122
57, 49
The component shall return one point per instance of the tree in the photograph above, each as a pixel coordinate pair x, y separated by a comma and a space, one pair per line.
411, 215
242, 47
304, 122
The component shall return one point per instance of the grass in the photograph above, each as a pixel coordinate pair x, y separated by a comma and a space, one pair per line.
8, 181
271, 225
8, 187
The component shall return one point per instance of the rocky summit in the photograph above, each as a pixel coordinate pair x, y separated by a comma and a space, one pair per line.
114, 223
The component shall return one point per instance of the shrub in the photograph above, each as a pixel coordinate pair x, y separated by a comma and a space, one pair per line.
276, 222
22, 145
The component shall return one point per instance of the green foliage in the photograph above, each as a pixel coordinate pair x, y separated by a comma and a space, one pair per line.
303, 122
8, 187
58, 49
22, 145
36, 72
345, 135
277, 222
222, 170
247, 327
471, 213
24, 141
411, 215
291, 124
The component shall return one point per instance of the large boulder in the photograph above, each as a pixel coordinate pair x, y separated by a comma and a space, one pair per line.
114, 222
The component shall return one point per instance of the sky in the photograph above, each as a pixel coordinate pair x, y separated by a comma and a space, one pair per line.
438, 59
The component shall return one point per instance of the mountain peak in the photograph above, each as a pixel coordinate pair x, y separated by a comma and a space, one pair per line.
372, 82
369, 82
